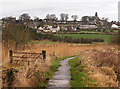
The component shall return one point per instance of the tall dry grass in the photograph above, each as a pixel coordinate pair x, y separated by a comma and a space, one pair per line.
60, 49
27, 76
108, 58
102, 65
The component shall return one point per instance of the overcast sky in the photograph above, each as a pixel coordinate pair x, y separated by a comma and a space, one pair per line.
105, 8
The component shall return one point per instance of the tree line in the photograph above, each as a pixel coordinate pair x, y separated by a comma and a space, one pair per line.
26, 17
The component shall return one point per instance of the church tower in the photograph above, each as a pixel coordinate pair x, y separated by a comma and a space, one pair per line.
96, 14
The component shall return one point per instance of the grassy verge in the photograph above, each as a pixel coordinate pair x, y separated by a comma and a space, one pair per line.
79, 74
50, 72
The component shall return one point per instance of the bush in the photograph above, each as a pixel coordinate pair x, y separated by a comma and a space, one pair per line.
98, 40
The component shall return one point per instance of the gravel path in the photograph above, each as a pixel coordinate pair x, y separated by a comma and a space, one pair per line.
61, 78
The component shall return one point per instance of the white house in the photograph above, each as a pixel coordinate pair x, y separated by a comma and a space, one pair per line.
55, 29
114, 26
40, 28
88, 26
47, 29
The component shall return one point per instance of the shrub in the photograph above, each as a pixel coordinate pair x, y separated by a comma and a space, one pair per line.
98, 40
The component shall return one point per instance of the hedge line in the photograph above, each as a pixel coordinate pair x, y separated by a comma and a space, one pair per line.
68, 39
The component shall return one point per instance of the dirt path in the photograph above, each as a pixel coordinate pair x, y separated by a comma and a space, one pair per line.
62, 77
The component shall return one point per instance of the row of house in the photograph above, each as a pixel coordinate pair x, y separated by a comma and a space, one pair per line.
48, 29
87, 22
69, 28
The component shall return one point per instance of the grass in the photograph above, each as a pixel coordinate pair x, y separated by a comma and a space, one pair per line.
89, 32
107, 38
93, 32
80, 76
115, 31
50, 72
41, 42
47, 42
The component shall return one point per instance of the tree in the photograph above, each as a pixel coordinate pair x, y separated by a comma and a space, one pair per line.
75, 17
36, 19
64, 17
8, 19
48, 17
51, 17
24, 17
18, 34
106, 23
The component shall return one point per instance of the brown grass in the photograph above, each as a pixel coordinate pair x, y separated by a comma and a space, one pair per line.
26, 77
60, 49
102, 65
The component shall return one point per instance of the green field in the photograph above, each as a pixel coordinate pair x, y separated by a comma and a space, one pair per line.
107, 38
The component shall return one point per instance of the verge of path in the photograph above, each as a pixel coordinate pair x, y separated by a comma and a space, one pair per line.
61, 78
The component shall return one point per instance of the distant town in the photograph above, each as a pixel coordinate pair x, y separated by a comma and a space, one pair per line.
51, 23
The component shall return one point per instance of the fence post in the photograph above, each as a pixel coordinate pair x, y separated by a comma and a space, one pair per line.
44, 54
53, 53
10, 54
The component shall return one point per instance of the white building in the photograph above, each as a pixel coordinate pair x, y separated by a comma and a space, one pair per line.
55, 29
114, 26
88, 26
48, 29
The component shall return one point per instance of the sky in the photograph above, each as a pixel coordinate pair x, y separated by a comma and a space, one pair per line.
40, 8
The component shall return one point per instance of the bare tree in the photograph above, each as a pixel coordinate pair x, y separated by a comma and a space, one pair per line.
24, 17
75, 17
9, 20
36, 19
106, 24
18, 34
51, 17
48, 17
64, 17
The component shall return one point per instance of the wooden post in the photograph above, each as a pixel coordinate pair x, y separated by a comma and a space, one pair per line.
44, 54
28, 63
10, 54
53, 53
